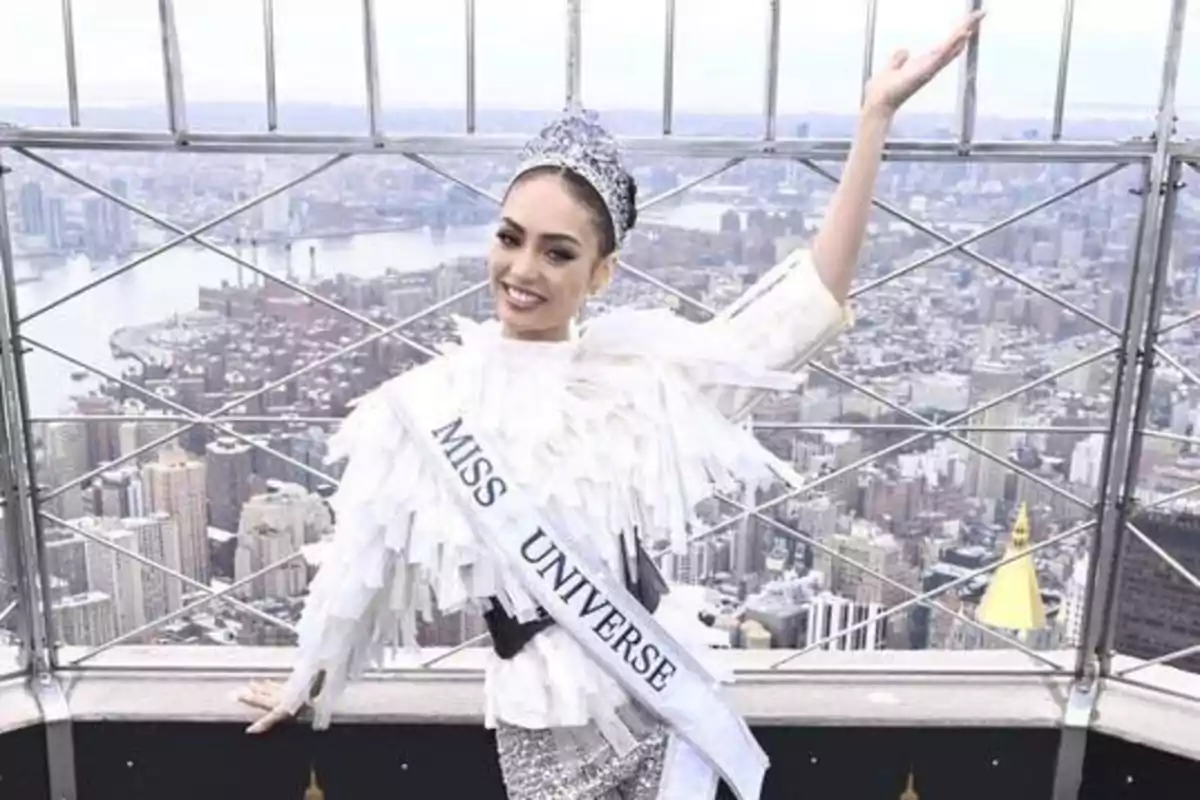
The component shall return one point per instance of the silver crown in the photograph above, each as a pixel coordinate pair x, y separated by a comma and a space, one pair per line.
576, 140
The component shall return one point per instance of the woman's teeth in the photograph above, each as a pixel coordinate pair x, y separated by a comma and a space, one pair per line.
521, 298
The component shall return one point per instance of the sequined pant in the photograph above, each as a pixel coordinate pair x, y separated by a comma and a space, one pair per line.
580, 765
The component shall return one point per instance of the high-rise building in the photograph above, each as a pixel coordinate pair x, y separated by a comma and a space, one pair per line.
175, 485
985, 478
32, 209
158, 540
273, 526
66, 558
829, 615
115, 574
230, 465
66, 461
84, 620
1158, 610
117, 493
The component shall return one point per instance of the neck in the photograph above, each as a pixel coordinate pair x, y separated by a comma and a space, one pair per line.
560, 334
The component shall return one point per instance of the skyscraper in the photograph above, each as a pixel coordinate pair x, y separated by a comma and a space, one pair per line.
66, 460
32, 209
175, 485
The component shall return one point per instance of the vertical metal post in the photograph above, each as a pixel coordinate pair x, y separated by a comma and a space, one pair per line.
868, 57
470, 14
1064, 60
20, 511
1154, 227
668, 93
771, 101
268, 9
17, 469
68, 20
574, 53
968, 87
371, 67
172, 67
1133, 380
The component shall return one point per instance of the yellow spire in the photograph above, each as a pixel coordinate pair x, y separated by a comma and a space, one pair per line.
910, 793
1013, 600
313, 792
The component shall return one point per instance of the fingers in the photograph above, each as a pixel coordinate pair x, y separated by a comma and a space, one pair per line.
898, 59
268, 721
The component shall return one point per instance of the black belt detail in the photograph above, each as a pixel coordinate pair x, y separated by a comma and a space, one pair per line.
509, 637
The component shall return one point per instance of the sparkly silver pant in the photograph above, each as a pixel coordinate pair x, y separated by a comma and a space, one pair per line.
578, 764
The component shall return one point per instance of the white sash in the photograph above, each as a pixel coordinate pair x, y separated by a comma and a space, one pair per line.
577, 589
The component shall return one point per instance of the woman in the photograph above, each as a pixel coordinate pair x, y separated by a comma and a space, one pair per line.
520, 471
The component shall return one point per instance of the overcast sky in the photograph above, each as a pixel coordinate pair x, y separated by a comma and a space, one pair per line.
720, 52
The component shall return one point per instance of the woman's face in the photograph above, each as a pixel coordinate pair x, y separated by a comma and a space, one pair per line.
545, 259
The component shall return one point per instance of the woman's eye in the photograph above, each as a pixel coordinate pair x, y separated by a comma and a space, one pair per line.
507, 239
560, 256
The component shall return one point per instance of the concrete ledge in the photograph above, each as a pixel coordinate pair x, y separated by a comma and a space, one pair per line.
902, 689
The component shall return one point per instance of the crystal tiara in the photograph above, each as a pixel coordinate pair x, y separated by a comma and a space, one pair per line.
576, 140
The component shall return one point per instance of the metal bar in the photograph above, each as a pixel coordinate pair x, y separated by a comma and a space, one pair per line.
942, 429
668, 93
434, 168
688, 184
977, 449
1169, 559
1179, 323
470, 110
1177, 364
1170, 437
7, 612
480, 144
796, 491
987, 231
979, 257
268, 9
1133, 394
882, 426
1064, 61
574, 71
1159, 688
968, 86
930, 595
212, 223
226, 420
241, 262
217, 594
60, 740
458, 648
163, 568
799, 536
1163, 659
371, 68
771, 97
172, 68
198, 419
68, 21
18, 469
868, 56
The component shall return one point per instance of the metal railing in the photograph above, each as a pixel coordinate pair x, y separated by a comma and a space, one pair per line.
1134, 346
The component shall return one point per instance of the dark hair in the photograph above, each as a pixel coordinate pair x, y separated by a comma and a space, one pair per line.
583, 192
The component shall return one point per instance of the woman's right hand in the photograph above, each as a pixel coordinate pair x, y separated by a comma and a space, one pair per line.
265, 695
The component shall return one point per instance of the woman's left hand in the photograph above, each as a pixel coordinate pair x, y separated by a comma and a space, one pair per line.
889, 88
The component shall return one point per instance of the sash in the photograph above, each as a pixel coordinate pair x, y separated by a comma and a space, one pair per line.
575, 586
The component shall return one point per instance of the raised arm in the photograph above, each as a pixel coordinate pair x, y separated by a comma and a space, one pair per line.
836, 247
794, 310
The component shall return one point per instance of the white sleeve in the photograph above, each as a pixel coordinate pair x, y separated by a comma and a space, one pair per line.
780, 323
